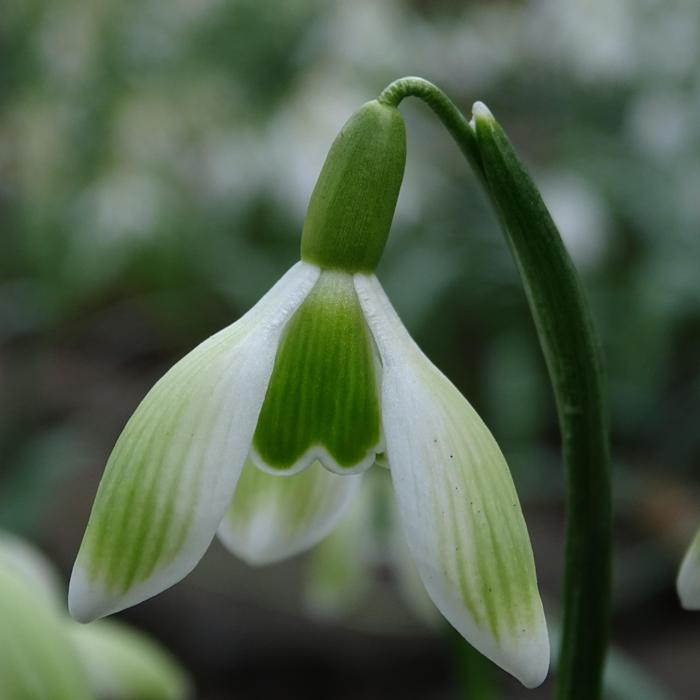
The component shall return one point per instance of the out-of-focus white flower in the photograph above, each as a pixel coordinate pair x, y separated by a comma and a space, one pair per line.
45, 654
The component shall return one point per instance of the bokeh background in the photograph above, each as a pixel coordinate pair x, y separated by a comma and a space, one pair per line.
156, 159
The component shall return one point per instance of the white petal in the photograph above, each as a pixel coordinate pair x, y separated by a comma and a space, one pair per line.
273, 517
458, 505
688, 583
173, 470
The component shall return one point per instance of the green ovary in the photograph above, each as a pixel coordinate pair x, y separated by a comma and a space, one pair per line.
322, 398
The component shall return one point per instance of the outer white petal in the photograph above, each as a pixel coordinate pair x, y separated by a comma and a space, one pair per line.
174, 468
688, 583
273, 517
457, 502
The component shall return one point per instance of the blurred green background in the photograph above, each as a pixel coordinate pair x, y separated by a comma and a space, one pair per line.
156, 159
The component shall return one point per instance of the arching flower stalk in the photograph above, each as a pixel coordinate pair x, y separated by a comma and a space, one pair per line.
316, 383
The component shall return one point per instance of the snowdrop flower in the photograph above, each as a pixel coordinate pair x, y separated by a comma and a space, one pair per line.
263, 431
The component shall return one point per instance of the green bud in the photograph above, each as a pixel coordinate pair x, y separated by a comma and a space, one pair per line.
353, 203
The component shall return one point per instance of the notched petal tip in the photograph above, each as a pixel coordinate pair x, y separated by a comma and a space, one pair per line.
319, 454
322, 402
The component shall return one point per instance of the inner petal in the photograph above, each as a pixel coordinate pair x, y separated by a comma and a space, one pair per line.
322, 401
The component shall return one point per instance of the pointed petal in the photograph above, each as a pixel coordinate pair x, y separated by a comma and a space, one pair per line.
173, 470
323, 402
273, 517
458, 505
688, 583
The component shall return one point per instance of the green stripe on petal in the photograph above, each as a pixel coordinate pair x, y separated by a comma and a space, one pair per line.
688, 583
458, 506
37, 659
273, 517
173, 470
322, 401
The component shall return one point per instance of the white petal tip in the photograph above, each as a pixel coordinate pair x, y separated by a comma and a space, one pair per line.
690, 602
89, 601
250, 555
536, 673
688, 584
83, 603
481, 111
529, 662
524, 654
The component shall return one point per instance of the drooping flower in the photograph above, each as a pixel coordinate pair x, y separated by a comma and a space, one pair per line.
262, 431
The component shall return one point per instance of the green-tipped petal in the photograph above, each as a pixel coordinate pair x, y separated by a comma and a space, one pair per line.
37, 659
688, 583
173, 470
123, 664
457, 502
322, 402
273, 517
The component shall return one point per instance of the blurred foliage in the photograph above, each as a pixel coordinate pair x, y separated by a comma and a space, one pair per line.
155, 163
45, 654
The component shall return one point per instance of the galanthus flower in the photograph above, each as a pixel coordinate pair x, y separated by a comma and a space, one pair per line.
264, 429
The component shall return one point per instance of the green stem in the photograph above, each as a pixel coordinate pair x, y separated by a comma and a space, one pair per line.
446, 110
569, 345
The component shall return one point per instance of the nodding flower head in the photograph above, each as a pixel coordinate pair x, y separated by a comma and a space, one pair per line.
263, 431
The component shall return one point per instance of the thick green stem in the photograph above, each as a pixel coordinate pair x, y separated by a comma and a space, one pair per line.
568, 341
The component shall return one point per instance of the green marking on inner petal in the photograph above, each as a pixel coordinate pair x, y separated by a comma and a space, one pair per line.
323, 390
296, 497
